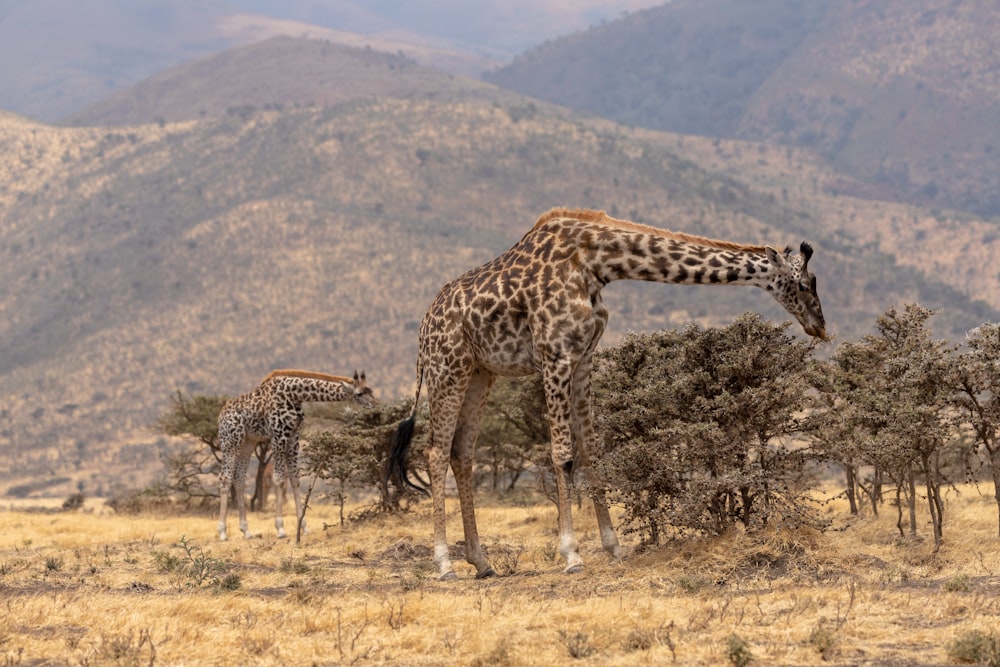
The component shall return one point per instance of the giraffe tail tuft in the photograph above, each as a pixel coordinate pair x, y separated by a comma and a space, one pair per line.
396, 467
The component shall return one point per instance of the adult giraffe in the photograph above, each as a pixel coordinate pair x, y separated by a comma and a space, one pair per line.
537, 308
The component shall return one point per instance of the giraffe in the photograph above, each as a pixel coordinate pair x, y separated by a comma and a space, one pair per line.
273, 411
537, 308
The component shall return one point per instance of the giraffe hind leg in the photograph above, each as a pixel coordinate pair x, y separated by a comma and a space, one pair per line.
239, 483
583, 435
230, 446
445, 403
462, 455
279, 496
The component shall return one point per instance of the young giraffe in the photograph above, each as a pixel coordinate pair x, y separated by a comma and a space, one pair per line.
273, 411
537, 308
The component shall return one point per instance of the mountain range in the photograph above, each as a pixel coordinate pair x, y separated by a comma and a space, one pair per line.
296, 202
901, 94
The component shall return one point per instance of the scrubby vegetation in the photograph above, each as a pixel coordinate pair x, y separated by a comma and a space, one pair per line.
755, 483
700, 431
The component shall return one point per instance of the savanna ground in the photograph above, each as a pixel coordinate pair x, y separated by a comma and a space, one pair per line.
89, 587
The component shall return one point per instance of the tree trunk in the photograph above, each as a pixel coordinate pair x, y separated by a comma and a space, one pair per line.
932, 480
995, 470
851, 481
911, 502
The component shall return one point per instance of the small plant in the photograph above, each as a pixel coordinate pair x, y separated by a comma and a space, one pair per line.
53, 564
738, 651
643, 639
976, 647
823, 640
231, 582
577, 643
126, 648
505, 558
195, 564
959, 584
167, 562
292, 566
690, 584
500, 656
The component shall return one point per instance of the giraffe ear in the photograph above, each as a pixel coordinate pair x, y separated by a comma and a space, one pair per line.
807, 253
774, 257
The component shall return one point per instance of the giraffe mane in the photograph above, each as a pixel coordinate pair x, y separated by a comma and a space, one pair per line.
602, 218
307, 374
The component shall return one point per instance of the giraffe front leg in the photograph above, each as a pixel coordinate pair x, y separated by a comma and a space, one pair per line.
293, 483
558, 394
473, 549
279, 502
567, 540
241, 503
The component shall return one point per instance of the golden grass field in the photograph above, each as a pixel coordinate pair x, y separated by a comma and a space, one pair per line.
93, 588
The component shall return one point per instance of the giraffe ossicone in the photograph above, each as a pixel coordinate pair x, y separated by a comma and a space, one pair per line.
537, 309
272, 411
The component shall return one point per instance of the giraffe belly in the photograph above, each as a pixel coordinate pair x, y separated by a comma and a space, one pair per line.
512, 360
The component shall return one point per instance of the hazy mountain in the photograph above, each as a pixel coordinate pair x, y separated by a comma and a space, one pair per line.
499, 30
60, 56
902, 93
282, 72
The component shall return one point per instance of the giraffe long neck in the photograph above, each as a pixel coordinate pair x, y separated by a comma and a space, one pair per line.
309, 389
667, 257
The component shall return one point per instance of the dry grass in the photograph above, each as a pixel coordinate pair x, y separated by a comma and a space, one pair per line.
94, 588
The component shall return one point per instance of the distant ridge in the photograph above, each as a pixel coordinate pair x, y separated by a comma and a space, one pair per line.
902, 94
280, 72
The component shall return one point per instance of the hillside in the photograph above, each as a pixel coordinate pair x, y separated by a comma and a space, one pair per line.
200, 255
281, 72
900, 94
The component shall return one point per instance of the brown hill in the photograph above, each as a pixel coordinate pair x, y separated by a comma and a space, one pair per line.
200, 255
281, 72
902, 93
65, 55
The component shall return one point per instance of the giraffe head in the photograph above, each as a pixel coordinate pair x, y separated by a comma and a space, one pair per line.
794, 287
362, 392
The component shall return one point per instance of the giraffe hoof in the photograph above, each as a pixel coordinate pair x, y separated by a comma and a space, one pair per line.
448, 576
486, 574
574, 569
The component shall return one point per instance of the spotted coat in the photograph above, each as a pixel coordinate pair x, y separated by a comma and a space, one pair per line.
272, 411
537, 308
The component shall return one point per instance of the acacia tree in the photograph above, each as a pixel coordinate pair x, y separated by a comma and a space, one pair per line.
514, 435
694, 426
849, 416
892, 405
353, 455
975, 382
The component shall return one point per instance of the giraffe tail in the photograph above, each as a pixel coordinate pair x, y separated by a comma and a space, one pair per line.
396, 467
